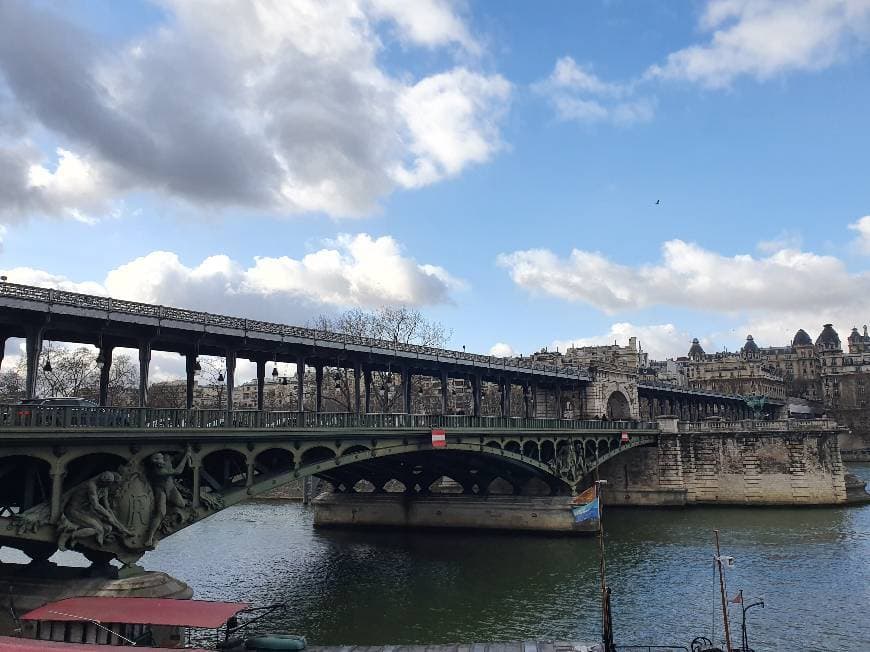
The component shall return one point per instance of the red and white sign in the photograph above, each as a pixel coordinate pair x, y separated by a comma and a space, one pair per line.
439, 438
624, 438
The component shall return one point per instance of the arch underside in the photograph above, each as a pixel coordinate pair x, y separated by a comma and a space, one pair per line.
234, 473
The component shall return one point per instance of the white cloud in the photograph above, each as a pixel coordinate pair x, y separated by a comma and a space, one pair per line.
862, 241
576, 93
351, 271
766, 38
501, 350
661, 341
693, 277
280, 106
431, 23
453, 121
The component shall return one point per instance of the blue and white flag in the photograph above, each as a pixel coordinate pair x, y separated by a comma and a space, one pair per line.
587, 512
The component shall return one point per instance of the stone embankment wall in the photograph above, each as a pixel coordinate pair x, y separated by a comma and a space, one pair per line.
730, 469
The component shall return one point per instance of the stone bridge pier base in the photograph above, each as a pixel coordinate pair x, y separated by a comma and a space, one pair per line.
733, 468
515, 513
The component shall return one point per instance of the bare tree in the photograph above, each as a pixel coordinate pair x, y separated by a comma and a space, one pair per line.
11, 386
400, 325
167, 395
123, 381
71, 372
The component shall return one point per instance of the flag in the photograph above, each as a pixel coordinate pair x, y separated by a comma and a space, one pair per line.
737, 599
587, 512
439, 438
586, 497
586, 506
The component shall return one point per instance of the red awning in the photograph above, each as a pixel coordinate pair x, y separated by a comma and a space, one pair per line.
11, 644
139, 611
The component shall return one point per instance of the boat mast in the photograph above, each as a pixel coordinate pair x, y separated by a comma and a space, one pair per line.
606, 620
722, 592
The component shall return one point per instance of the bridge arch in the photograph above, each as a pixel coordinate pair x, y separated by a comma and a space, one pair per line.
25, 481
618, 406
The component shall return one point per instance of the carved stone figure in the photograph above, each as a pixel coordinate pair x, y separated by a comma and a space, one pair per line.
86, 511
166, 492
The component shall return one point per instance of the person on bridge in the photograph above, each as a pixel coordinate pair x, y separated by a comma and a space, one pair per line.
165, 490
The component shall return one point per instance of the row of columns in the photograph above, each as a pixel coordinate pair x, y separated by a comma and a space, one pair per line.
692, 410
361, 375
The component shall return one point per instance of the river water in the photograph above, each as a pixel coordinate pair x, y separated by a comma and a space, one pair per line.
811, 565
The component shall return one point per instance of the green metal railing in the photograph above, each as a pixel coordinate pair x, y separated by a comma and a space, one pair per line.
67, 417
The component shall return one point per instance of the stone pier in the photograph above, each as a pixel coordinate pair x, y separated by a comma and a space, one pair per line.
734, 467
515, 513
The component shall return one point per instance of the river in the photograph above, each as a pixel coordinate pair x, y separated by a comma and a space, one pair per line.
811, 565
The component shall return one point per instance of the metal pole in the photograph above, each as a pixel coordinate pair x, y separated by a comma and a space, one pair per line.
722, 592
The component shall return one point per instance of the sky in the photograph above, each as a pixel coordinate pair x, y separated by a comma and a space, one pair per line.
529, 174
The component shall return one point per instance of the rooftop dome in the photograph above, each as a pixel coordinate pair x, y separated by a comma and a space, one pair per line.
802, 338
695, 351
855, 336
750, 349
828, 338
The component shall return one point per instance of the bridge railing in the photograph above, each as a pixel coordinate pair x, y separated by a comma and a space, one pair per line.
753, 425
16, 417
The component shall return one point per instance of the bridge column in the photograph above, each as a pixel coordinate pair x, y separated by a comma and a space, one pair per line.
105, 372
357, 400
190, 371
57, 475
318, 388
300, 383
406, 391
535, 401
261, 382
231, 382
527, 408
367, 381
445, 406
144, 366
33, 351
475, 394
197, 481
3, 338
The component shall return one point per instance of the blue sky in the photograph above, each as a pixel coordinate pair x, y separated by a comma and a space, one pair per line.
450, 156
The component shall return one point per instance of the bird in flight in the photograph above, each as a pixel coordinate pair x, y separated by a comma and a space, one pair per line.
658, 201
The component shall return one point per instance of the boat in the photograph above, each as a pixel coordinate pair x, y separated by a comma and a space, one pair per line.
95, 623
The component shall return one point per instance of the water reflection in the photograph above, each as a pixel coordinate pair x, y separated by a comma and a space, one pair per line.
366, 587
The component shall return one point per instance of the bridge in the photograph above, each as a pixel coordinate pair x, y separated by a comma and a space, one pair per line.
159, 470
112, 481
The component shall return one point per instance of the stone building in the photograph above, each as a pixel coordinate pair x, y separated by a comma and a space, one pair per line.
821, 373
746, 372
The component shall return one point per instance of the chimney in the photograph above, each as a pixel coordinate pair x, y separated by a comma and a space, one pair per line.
632, 343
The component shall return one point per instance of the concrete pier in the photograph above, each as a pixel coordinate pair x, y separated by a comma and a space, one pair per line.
516, 513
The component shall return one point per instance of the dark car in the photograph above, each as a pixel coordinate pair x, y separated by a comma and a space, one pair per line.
35, 412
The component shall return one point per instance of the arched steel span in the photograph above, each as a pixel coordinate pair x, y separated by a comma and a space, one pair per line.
223, 471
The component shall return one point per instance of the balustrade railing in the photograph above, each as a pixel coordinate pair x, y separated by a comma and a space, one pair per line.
14, 417
781, 425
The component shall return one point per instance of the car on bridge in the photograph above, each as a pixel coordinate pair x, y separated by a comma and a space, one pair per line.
45, 411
